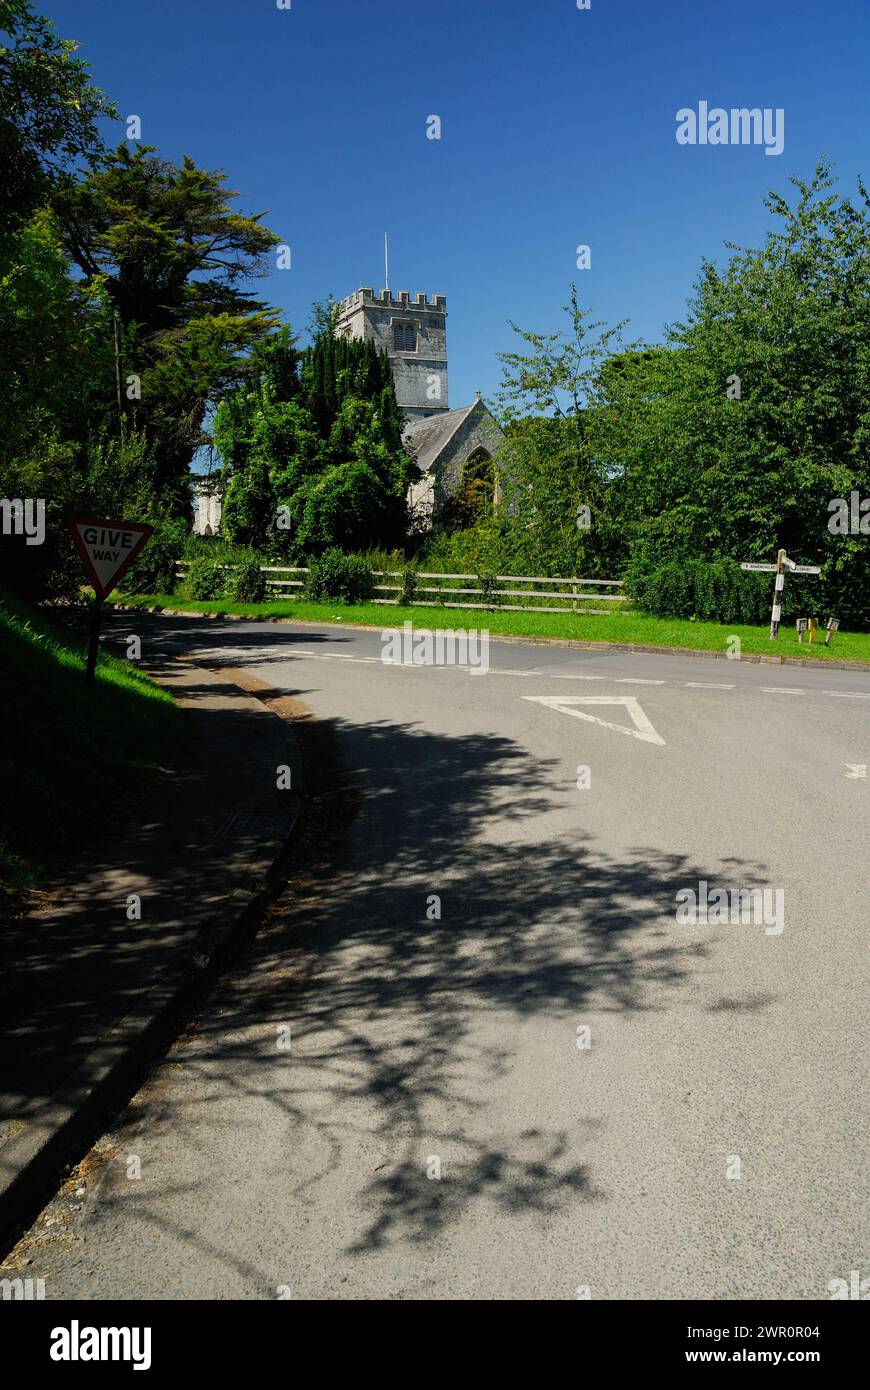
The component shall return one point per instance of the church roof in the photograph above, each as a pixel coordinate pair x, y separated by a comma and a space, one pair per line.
429, 437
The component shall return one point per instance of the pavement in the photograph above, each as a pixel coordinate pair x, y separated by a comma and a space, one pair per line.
88, 993
475, 1053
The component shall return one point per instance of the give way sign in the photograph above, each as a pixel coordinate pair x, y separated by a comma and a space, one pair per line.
107, 547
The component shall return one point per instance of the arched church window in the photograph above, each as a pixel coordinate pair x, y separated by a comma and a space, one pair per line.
475, 493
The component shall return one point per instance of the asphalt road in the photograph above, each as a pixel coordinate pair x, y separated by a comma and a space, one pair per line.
616, 1101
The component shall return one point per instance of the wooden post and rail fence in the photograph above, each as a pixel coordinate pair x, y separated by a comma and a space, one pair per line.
436, 590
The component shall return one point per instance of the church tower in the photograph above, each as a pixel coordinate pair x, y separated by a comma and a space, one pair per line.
414, 334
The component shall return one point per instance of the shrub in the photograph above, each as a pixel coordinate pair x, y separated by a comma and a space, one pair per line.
345, 505
716, 591
153, 572
409, 581
334, 575
206, 580
488, 584
248, 515
248, 582
478, 548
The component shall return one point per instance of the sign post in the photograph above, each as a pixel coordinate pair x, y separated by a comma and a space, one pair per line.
108, 549
783, 563
779, 584
94, 640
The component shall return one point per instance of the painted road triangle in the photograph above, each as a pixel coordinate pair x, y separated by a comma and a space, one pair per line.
568, 704
108, 548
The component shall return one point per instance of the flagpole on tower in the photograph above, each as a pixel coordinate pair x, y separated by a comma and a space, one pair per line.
386, 264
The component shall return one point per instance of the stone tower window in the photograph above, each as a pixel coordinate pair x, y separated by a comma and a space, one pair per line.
404, 337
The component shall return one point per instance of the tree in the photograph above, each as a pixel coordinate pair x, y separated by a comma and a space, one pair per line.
173, 257
54, 344
325, 427
733, 438
551, 469
47, 112
248, 515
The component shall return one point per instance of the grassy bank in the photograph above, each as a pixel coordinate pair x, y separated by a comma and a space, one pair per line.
70, 754
625, 626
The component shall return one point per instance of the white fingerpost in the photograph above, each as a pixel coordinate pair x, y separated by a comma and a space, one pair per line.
778, 584
783, 563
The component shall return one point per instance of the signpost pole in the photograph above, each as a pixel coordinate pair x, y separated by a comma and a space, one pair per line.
94, 642
783, 563
776, 611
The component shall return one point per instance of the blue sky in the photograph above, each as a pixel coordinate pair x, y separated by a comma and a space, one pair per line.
558, 128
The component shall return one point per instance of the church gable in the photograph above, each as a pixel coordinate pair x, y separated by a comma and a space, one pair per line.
449, 450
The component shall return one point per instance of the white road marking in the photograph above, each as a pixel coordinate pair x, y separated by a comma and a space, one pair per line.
565, 676
567, 704
857, 771
506, 671
336, 656
547, 675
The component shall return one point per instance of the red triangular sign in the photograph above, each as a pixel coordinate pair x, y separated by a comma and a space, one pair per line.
107, 547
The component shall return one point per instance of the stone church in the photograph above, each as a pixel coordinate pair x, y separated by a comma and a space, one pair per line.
453, 448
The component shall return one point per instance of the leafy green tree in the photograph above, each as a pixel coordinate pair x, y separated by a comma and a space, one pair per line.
335, 367
48, 110
173, 257
551, 469
324, 427
248, 515
55, 344
733, 438
343, 506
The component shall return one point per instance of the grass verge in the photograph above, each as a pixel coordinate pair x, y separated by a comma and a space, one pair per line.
70, 754
629, 625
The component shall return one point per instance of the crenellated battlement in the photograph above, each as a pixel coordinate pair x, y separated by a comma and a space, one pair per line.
436, 303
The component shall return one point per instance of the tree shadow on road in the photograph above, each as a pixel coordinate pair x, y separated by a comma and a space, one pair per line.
406, 1025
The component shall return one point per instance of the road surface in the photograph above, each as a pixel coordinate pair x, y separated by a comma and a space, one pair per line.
475, 1054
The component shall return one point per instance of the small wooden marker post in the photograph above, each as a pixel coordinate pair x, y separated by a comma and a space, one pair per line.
833, 624
801, 626
783, 563
814, 627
